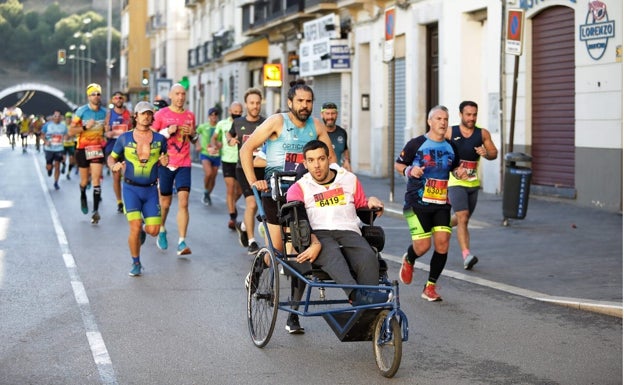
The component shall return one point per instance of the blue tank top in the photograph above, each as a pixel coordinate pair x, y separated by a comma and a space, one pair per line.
285, 152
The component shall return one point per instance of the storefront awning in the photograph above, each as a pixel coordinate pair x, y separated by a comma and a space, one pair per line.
258, 48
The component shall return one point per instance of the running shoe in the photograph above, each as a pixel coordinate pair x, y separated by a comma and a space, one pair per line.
430, 294
292, 324
253, 248
68, 177
136, 270
56, 186
231, 224
161, 241
83, 204
407, 271
470, 261
95, 218
120, 208
242, 235
183, 249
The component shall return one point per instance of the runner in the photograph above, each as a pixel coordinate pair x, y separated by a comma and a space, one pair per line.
88, 126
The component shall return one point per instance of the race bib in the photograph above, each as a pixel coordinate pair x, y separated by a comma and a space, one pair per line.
435, 191
471, 168
94, 152
56, 139
292, 160
334, 197
119, 129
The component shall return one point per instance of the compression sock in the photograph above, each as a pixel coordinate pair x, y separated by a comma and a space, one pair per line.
83, 192
438, 261
97, 193
411, 255
233, 215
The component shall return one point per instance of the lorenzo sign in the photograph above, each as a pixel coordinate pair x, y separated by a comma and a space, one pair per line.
597, 29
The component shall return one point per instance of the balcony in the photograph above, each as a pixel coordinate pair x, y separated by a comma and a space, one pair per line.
261, 16
222, 41
155, 23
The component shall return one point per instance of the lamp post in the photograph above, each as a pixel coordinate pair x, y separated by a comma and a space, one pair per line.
74, 82
82, 60
87, 22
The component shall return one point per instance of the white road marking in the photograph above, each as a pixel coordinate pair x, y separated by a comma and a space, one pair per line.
96, 342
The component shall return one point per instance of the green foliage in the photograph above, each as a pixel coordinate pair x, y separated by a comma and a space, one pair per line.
33, 37
12, 11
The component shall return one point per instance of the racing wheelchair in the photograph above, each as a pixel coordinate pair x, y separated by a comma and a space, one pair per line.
382, 323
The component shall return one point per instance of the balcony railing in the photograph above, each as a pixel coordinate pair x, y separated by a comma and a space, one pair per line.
269, 12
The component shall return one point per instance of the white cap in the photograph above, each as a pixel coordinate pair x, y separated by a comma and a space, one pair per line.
143, 106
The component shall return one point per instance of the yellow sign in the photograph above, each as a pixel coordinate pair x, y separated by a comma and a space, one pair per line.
272, 75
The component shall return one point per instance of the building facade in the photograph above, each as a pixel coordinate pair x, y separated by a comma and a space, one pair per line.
386, 63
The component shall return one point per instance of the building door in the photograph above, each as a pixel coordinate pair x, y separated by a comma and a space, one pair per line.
433, 83
553, 97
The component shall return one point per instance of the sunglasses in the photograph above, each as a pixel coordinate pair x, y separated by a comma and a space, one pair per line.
95, 94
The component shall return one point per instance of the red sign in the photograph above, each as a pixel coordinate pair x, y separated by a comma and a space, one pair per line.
515, 28
389, 17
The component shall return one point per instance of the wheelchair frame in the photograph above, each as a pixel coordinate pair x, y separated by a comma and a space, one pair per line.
384, 324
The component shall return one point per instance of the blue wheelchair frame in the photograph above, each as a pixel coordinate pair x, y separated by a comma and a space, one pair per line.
349, 322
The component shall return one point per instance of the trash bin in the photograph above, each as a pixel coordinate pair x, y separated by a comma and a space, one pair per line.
516, 185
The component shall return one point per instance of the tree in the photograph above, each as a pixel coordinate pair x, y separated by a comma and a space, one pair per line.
12, 11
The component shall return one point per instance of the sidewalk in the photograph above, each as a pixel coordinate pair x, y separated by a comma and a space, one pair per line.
559, 253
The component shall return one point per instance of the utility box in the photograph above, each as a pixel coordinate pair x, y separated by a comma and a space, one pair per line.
517, 185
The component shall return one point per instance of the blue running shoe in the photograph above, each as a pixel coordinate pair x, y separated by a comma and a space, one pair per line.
136, 270
183, 249
83, 204
161, 241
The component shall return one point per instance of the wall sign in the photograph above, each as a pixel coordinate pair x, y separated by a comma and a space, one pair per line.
597, 29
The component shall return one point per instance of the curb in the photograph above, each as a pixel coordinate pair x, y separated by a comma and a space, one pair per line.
603, 307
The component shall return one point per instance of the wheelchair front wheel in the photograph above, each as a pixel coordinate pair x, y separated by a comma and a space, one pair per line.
387, 344
262, 297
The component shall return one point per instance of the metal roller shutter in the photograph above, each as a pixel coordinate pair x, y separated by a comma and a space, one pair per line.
399, 105
553, 97
326, 89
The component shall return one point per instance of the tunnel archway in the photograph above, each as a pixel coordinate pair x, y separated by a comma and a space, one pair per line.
35, 99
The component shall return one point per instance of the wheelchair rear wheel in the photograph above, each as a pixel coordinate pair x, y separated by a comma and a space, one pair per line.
387, 344
262, 297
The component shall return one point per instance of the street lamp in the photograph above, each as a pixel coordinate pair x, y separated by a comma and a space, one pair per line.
87, 22
73, 71
82, 60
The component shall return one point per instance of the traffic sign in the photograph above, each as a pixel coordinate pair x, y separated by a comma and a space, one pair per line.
515, 32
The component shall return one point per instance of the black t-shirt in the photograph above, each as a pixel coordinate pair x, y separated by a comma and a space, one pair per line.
242, 129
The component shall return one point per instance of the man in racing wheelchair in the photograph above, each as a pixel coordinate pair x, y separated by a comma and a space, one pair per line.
331, 197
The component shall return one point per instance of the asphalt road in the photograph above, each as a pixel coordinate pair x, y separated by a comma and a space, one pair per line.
70, 314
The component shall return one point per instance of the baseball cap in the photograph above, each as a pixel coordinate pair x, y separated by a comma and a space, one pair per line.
94, 87
329, 106
141, 107
213, 110
68, 114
